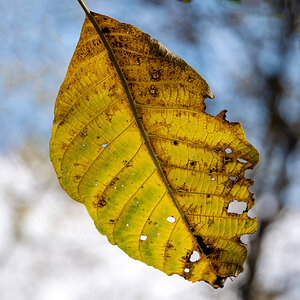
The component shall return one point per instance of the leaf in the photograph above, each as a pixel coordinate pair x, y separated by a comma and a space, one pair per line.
132, 142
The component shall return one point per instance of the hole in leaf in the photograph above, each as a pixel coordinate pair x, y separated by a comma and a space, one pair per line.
186, 270
244, 238
143, 237
128, 32
195, 256
213, 178
83, 145
242, 161
237, 207
104, 145
232, 178
171, 219
228, 150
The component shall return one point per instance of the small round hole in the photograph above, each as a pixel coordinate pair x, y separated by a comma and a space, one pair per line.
143, 237
195, 256
186, 270
104, 145
171, 219
228, 150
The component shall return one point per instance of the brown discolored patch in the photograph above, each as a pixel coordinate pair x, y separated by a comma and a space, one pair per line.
84, 133
101, 203
170, 245
204, 248
186, 257
105, 30
63, 146
192, 163
113, 181
190, 79
109, 116
153, 91
227, 159
155, 74
117, 44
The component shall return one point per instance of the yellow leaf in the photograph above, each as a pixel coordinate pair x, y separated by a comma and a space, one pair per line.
132, 142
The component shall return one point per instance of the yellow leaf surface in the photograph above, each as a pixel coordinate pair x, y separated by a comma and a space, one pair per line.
155, 172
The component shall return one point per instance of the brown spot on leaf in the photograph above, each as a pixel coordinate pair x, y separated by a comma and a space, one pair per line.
169, 245
153, 91
101, 203
205, 249
190, 79
84, 133
155, 74
105, 30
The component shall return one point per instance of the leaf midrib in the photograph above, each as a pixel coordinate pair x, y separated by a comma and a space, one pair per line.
135, 113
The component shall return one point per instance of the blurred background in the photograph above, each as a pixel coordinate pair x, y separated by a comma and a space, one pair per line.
249, 53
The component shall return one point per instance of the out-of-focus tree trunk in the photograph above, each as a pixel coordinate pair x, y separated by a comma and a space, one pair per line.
281, 136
